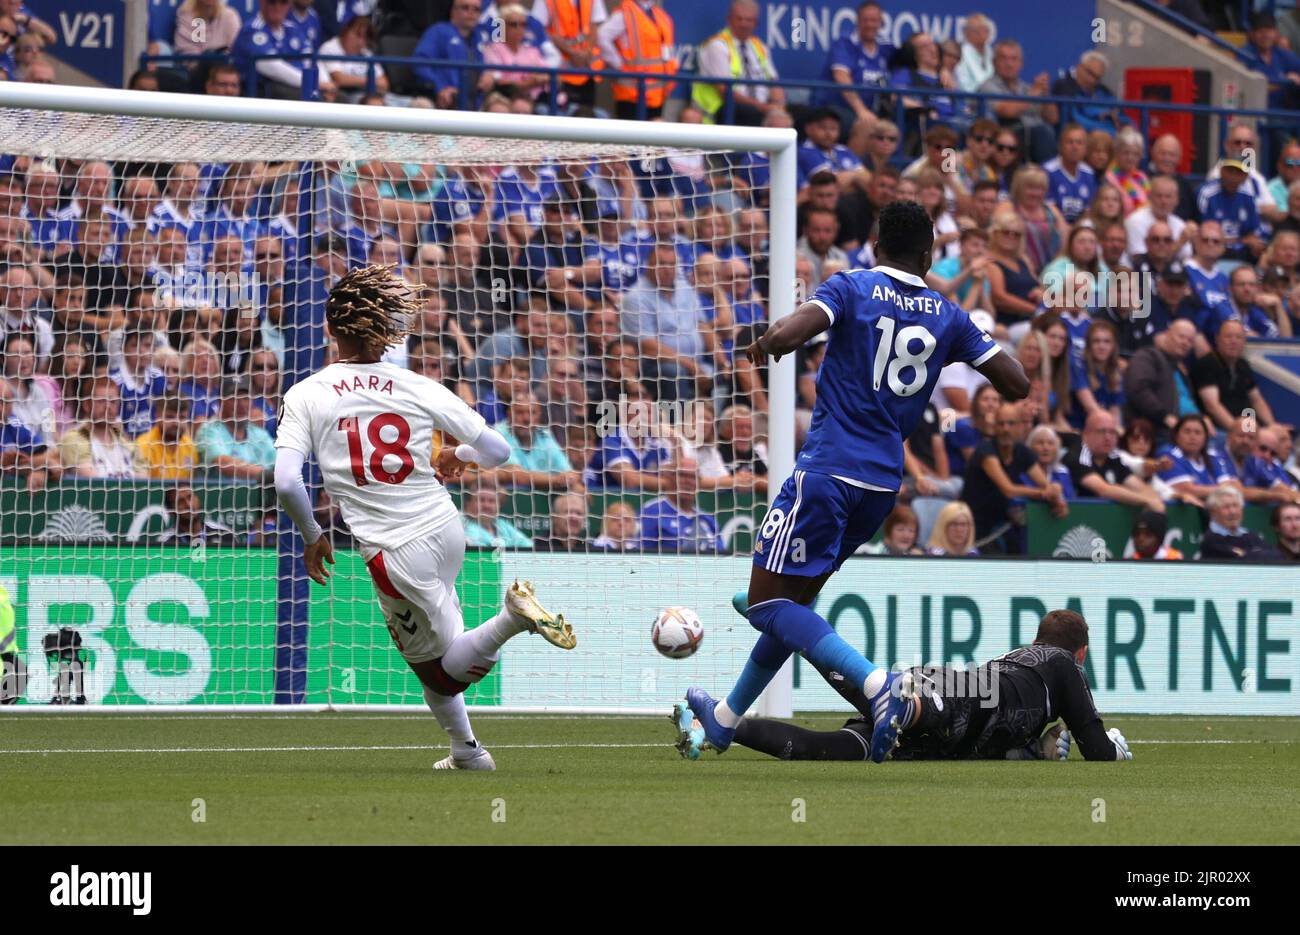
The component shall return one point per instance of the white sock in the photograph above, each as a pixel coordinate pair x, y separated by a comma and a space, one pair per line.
874, 683
449, 710
494, 633
725, 716
472, 655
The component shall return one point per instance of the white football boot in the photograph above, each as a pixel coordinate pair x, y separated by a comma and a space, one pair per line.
480, 760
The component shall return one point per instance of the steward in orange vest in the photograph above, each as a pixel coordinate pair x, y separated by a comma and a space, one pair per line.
645, 46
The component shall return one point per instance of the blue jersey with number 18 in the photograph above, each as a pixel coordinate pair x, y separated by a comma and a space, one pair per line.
889, 338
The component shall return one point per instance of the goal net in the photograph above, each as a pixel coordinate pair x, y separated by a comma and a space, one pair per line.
587, 286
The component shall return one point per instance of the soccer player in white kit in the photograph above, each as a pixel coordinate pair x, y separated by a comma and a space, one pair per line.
386, 440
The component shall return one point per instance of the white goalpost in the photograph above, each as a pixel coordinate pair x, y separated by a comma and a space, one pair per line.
167, 259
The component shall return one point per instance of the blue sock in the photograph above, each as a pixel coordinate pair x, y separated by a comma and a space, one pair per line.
833, 654
797, 627
802, 630
765, 660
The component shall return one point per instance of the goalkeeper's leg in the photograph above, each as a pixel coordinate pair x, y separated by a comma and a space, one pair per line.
789, 742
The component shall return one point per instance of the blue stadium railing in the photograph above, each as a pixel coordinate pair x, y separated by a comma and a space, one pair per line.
1187, 25
981, 101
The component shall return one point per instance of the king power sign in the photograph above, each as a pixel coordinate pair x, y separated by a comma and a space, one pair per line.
96, 36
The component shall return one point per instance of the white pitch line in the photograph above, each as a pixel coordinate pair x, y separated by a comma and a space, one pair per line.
331, 716
510, 746
1214, 741
344, 749
488, 713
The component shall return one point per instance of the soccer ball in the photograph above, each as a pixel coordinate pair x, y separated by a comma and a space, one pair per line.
677, 632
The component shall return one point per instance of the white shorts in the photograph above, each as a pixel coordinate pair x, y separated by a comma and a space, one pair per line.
416, 587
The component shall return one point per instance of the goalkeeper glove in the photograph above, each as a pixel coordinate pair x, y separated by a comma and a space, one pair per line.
1053, 745
1062, 745
1121, 745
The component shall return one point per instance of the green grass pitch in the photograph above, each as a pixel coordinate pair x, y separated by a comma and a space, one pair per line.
365, 778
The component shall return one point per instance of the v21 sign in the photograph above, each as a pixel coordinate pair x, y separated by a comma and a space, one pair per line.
92, 37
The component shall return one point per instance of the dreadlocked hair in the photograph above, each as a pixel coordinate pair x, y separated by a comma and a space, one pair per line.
372, 306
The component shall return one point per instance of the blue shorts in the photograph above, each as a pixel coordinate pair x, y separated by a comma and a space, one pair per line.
816, 522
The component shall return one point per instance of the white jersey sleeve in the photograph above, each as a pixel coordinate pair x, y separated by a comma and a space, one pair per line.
376, 431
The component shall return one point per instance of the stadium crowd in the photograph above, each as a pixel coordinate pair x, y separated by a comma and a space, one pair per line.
596, 313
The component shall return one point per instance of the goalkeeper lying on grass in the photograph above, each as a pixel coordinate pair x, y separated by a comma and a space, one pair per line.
998, 711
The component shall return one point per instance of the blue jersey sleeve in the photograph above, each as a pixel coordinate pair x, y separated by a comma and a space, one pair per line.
970, 345
842, 56
1220, 468
846, 159
1078, 375
1180, 472
649, 525
834, 296
810, 159
508, 197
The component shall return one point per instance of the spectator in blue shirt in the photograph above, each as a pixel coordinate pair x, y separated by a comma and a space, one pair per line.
1209, 283
671, 523
924, 71
1279, 65
633, 449
1097, 378
271, 33
53, 229
1224, 200
201, 378
561, 260
23, 452
517, 203
1255, 309
1196, 470
1046, 446
304, 18
618, 251
857, 59
820, 150
1071, 183
139, 382
452, 41
1262, 473
366, 224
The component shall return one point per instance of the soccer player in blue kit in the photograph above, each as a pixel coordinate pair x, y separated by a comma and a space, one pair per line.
889, 336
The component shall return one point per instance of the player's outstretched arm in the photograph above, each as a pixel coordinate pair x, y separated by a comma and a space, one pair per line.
1084, 723
292, 493
488, 450
790, 333
1006, 375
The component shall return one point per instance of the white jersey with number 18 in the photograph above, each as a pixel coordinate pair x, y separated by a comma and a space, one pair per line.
375, 430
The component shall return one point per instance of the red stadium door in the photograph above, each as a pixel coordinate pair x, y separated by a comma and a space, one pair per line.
1174, 86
